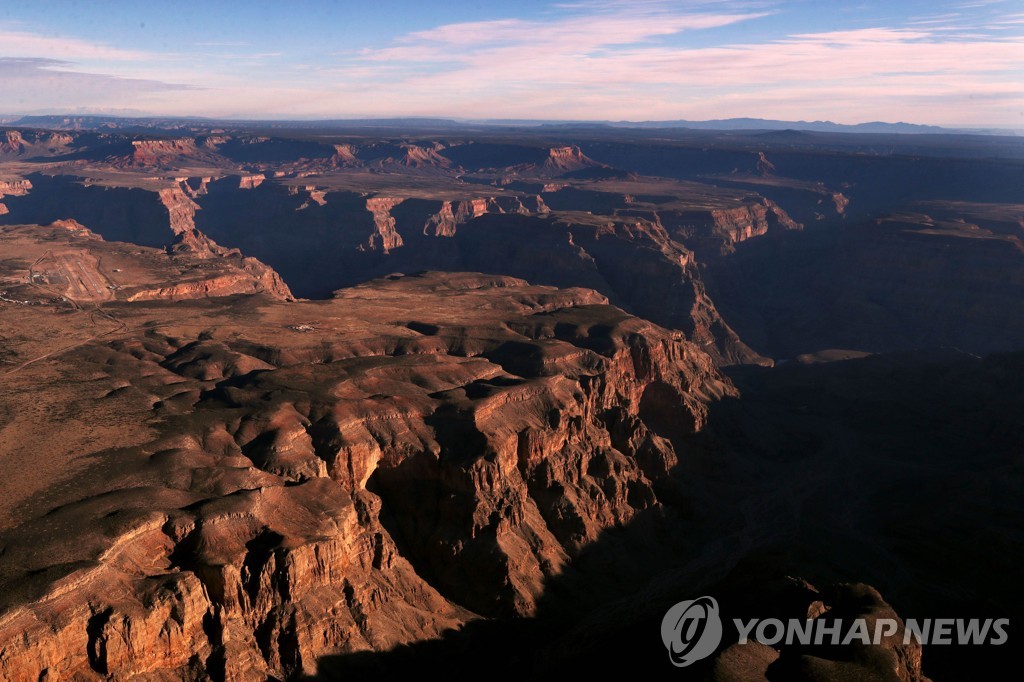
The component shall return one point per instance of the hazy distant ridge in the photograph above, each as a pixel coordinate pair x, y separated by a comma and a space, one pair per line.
87, 122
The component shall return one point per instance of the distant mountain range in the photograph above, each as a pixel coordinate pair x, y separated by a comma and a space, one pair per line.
770, 124
817, 126
88, 122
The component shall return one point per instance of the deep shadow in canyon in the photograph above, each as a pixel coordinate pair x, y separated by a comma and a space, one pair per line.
900, 471
879, 244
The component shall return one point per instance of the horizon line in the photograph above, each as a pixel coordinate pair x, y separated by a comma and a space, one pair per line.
14, 118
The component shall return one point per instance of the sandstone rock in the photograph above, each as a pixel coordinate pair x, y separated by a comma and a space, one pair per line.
14, 188
433, 450
386, 237
568, 158
251, 181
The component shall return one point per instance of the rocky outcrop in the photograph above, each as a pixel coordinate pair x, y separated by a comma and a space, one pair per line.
739, 224
841, 202
565, 159
534, 204
14, 188
843, 604
175, 153
160, 152
445, 222
28, 144
345, 155
317, 197
833, 606
716, 231
424, 157
13, 143
74, 227
764, 166
656, 276
628, 255
215, 141
324, 235
324, 492
194, 187
181, 210
251, 181
385, 237
249, 277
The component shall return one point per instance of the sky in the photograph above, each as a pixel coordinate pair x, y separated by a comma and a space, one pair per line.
940, 62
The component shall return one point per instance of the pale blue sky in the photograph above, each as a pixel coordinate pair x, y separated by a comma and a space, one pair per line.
947, 62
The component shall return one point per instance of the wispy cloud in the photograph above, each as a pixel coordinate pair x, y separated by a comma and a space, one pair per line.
604, 66
27, 44
664, 6
595, 59
224, 43
975, 4
948, 18
572, 35
38, 83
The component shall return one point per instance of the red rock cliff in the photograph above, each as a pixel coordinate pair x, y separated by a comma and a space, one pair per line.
437, 462
386, 236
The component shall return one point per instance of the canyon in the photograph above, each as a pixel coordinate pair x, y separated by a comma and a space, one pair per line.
324, 403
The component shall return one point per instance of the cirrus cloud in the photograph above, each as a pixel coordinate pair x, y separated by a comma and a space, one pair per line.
587, 59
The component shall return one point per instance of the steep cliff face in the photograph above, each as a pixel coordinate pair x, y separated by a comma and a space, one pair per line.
453, 214
417, 156
201, 484
345, 154
716, 231
215, 141
14, 188
386, 237
75, 228
906, 281
164, 218
116, 213
29, 144
445, 222
160, 152
242, 276
252, 275
429, 450
194, 187
317, 197
336, 238
340, 239
181, 211
764, 166
657, 277
251, 181
339, 230
841, 202
568, 158
13, 143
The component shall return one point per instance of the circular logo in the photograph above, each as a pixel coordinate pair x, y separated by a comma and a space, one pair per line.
691, 630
